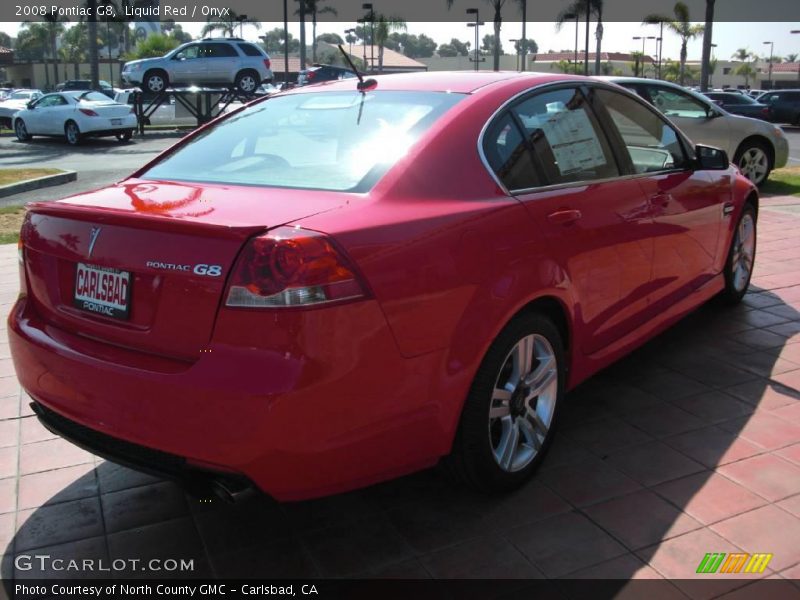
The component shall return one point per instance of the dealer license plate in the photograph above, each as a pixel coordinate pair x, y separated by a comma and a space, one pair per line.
103, 290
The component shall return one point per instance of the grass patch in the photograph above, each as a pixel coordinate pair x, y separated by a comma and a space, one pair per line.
8, 176
10, 222
783, 182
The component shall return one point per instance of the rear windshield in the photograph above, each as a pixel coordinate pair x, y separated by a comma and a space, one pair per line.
341, 141
95, 97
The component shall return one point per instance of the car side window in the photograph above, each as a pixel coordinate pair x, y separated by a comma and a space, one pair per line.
565, 137
508, 155
48, 101
652, 144
674, 103
250, 50
188, 53
220, 51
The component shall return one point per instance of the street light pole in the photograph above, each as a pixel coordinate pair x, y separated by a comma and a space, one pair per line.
524, 49
371, 15
641, 59
771, 52
710, 74
477, 24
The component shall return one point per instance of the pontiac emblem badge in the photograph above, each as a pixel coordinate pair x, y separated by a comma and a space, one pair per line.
92, 239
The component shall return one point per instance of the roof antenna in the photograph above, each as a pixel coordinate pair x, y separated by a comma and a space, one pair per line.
363, 84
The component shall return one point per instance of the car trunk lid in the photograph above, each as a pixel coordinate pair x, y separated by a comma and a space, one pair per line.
173, 244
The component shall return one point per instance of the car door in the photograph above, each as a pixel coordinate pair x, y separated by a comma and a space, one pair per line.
221, 60
697, 118
188, 66
39, 119
550, 152
686, 205
56, 114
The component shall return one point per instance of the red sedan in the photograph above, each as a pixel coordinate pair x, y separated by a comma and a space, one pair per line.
335, 286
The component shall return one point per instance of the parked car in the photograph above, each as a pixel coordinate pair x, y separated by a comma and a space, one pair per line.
739, 104
421, 277
320, 73
75, 115
16, 100
752, 93
84, 85
756, 147
221, 61
784, 106
5, 93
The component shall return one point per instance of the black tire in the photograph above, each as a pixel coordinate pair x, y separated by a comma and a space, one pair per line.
247, 81
757, 148
735, 285
155, 81
21, 131
72, 133
125, 136
473, 457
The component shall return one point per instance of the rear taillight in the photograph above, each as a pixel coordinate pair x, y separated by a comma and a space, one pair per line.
88, 112
765, 111
267, 63
290, 267
310, 75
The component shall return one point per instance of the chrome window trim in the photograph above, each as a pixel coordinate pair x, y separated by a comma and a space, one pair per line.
557, 186
588, 182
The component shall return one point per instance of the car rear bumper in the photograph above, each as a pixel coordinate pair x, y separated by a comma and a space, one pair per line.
293, 425
103, 126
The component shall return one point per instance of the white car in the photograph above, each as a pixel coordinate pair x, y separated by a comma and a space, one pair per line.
16, 100
755, 146
75, 115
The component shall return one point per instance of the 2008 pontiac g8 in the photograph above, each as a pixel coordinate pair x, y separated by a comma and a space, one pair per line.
339, 285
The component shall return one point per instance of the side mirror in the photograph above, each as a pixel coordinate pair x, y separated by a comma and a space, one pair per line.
30, 104
717, 102
711, 159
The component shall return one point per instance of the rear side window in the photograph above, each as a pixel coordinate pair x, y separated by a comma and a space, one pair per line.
508, 155
249, 50
565, 136
650, 142
219, 51
341, 141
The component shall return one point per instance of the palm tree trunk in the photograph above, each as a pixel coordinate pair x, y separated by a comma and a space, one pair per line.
380, 58
586, 48
75, 69
91, 5
55, 57
314, 33
682, 75
302, 34
498, 20
599, 35
705, 70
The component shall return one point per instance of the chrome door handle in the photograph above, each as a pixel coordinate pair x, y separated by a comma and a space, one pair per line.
564, 217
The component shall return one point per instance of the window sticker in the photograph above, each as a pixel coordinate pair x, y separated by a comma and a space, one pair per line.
573, 141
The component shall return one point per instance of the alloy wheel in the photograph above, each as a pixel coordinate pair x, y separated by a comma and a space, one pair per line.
744, 245
523, 403
21, 130
247, 83
72, 133
754, 164
155, 83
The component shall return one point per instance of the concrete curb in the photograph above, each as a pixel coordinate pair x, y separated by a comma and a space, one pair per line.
39, 182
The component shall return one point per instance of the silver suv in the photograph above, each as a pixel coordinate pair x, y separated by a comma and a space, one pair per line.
220, 61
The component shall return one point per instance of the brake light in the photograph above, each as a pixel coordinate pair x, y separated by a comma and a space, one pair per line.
765, 111
88, 112
267, 63
290, 267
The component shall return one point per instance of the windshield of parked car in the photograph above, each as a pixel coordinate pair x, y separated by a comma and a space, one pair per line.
342, 141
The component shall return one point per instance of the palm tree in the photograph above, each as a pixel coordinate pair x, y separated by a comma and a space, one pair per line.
43, 35
384, 26
706, 57
497, 7
227, 24
74, 45
791, 57
580, 7
313, 7
682, 27
745, 69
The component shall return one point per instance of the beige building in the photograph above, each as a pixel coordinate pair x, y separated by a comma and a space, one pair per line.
32, 74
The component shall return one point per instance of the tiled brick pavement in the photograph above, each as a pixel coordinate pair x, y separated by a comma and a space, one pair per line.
690, 445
